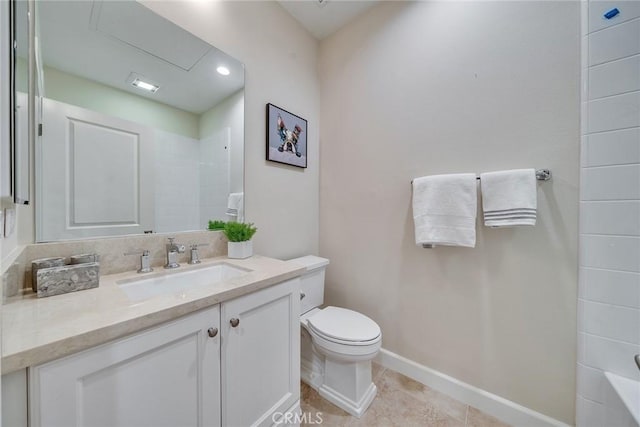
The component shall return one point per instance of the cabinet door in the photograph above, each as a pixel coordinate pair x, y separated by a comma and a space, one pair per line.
260, 355
166, 376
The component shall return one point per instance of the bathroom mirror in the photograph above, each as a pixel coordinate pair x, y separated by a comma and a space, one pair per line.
142, 123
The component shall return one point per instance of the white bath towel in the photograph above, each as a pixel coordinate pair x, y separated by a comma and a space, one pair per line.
235, 206
509, 197
444, 210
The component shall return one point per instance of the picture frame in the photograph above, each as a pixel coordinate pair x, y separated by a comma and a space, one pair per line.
286, 137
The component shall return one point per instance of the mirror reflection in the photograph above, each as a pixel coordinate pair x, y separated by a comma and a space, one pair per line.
143, 123
21, 137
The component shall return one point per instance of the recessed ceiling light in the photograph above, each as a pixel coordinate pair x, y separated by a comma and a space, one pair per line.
144, 85
223, 70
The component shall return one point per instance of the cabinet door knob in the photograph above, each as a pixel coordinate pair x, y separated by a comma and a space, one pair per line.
234, 322
212, 332
302, 295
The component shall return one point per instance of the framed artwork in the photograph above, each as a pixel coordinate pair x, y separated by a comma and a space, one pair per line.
286, 137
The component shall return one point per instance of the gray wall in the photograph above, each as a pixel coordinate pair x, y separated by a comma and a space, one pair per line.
420, 88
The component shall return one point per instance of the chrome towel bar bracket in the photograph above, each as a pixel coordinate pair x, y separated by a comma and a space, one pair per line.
541, 174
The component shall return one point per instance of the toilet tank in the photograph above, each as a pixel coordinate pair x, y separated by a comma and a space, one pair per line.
312, 281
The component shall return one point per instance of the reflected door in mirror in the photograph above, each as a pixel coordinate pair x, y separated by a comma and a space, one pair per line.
97, 175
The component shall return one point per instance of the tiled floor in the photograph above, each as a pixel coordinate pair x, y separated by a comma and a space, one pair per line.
400, 402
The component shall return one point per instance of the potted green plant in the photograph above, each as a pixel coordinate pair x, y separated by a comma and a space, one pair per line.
216, 225
239, 235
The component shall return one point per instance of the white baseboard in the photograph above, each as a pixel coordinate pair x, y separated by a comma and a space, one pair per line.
496, 406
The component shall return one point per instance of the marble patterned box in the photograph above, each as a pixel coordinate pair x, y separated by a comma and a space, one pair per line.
37, 264
67, 278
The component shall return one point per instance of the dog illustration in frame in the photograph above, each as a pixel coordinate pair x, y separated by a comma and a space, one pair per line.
286, 137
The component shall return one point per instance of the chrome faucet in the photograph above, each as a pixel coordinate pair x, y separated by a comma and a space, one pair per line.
173, 249
195, 256
145, 260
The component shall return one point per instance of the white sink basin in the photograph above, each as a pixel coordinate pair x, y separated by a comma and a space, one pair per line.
179, 281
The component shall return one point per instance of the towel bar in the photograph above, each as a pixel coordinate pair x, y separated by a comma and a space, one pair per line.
541, 175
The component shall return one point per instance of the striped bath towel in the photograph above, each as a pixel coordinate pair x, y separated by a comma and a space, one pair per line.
509, 198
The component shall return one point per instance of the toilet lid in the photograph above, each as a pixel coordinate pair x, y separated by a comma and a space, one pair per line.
343, 324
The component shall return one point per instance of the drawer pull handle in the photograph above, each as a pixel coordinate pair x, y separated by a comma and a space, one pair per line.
212, 332
234, 322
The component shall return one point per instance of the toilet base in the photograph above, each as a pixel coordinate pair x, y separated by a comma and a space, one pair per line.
347, 385
354, 408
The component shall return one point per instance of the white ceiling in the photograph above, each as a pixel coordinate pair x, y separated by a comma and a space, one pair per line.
106, 41
324, 18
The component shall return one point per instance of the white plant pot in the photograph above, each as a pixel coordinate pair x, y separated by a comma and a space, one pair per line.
240, 250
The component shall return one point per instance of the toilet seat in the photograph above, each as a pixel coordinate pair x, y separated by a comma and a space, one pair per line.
345, 353
344, 326
343, 334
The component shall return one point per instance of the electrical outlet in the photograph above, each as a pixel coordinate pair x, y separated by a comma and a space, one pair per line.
9, 221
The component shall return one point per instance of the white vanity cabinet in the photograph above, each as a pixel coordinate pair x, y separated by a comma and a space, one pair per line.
234, 364
165, 376
261, 355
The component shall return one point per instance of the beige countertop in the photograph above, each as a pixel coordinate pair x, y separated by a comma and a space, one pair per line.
37, 330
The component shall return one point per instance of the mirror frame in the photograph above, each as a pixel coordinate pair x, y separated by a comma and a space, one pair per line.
10, 150
20, 166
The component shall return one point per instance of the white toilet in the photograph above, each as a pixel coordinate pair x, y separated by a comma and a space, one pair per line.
337, 345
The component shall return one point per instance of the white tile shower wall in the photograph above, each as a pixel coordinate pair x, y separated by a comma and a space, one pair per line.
590, 413
614, 78
618, 217
609, 288
611, 183
214, 176
611, 355
614, 112
615, 322
615, 42
592, 381
598, 8
177, 182
610, 252
611, 148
